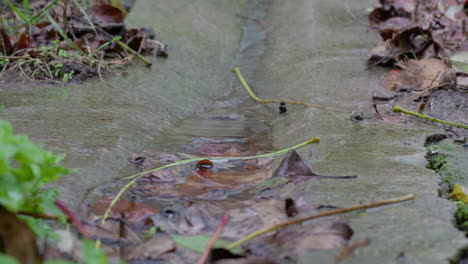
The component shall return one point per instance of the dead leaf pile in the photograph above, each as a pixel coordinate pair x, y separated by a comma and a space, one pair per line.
70, 43
426, 42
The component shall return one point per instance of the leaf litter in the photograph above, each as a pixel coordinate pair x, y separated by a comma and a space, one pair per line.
54, 42
170, 216
175, 227
425, 44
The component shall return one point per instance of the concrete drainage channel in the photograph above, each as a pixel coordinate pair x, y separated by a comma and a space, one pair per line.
447, 155
311, 50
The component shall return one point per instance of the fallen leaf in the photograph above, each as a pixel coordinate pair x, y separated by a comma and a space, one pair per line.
158, 245
428, 73
133, 212
198, 243
460, 193
459, 61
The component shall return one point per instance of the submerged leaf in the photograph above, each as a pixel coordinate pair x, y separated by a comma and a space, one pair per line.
198, 243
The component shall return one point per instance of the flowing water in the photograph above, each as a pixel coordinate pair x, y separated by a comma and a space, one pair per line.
304, 50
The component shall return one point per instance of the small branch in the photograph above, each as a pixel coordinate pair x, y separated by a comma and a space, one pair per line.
135, 177
73, 218
399, 109
351, 248
264, 101
213, 239
127, 48
324, 214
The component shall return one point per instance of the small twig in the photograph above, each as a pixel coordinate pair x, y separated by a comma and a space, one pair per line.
213, 239
127, 48
252, 94
324, 214
351, 248
377, 111
135, 177
73, 218
399, 109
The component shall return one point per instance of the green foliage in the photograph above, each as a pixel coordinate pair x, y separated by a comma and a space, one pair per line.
5, 259
24, 169
461, 216
92, 255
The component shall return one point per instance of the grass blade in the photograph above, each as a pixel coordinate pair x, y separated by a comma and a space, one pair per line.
85, 15
22, 15
107, 43
35, 18
64, 36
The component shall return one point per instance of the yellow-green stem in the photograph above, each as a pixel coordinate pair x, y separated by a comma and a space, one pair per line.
329, 213
135, 177
399, 109
123, 45
258, 99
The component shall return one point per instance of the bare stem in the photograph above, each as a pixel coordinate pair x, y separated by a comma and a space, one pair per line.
324, 214
399, 109
264, 101
213, 239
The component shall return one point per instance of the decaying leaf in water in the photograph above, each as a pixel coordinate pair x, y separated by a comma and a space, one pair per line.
17, 239
155, 247
294, 240
133, 212
294, 167
199, 243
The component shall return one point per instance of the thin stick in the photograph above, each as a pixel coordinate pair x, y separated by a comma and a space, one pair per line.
324, 214
351, 248
123, 45
73, 218
264, 101
399, 109
135, 177
213, 239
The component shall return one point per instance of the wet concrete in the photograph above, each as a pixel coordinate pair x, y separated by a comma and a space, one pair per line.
322, 61
312, 51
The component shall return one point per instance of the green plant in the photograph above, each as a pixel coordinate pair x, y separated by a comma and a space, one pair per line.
24, 169
461, 216
68, 75
26, 15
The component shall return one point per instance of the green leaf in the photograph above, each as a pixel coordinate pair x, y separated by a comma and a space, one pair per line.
22, 15
5, 259
459, 61
92, 255
35, 18
198, 243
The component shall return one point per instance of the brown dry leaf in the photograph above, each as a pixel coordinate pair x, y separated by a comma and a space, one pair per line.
17, 239
106, 14
428, 73
153, 248
133, 212
398, 80
297, 239
295, 168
